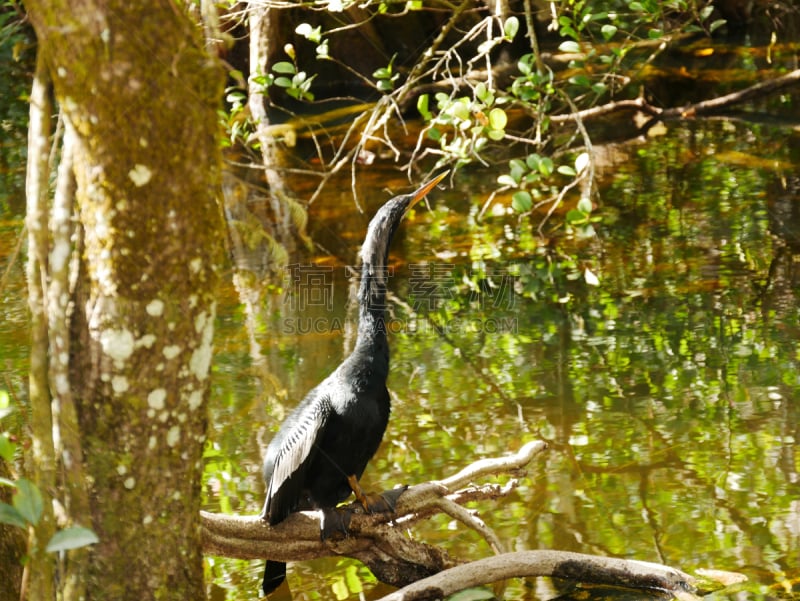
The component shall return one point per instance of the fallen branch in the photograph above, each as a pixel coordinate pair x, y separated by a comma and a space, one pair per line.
558, 564
426, 571
377, 540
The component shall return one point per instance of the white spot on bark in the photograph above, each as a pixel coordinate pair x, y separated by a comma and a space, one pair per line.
146, 341
143, 142
155, 399
195, 265
172, 351
200, 321
195, 400
201, 357
117, 344
129, 483
59, 255
151, 443
148, 519
61, 71
122, 470
62, 384
173, 435
101, 228
119, 384
155, 308
140, 175
162, 417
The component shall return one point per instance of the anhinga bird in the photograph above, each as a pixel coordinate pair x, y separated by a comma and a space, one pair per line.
321, 450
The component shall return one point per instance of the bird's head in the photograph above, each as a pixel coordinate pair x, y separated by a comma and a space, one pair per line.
383, 225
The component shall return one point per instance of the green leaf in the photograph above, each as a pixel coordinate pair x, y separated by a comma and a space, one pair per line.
521, 202
284, 67
313, 34
283, 82
28, 501
9, 515
422, 106
581, 80
581, 162
566, 170
460, 110
481, 92
574, 216
518, 169
716, 25
497, 118
608, 31
73, 537
569, 47
510, 28
506, 180
7, 448
546, 166
532, 161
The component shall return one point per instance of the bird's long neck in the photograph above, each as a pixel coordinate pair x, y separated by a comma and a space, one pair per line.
372, 305
372, 290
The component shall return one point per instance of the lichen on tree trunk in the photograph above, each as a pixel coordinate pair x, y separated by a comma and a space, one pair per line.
140, 94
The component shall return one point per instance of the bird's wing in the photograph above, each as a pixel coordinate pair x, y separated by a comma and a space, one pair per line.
297, 449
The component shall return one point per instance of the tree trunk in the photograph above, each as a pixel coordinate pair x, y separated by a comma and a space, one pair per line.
139, 95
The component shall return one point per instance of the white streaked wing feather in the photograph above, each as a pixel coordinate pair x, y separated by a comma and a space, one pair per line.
299, 444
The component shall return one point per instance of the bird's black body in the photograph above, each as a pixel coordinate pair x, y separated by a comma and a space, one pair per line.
338, 426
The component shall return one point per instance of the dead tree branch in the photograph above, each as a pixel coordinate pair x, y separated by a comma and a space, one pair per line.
377, 540
557, 564
427, 572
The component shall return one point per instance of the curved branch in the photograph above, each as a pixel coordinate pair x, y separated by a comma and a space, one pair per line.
428, 572
378, 540
557, 564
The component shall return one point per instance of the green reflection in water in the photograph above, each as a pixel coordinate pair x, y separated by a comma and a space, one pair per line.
669, 391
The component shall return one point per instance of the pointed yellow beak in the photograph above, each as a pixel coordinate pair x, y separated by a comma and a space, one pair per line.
421, 192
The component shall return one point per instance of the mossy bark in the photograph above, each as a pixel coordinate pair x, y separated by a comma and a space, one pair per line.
140, 95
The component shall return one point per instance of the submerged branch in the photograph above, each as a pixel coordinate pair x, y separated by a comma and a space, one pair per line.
558, 564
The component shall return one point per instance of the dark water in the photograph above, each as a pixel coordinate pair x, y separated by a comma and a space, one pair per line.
669, 391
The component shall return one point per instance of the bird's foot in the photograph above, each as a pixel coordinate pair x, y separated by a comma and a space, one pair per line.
335, 523
384, 502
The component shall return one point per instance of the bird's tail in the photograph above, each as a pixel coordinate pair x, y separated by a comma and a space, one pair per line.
274, 575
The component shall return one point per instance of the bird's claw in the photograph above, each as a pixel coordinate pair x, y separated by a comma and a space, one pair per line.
385, 502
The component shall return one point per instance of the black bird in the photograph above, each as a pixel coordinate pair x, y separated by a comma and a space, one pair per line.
321, 450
